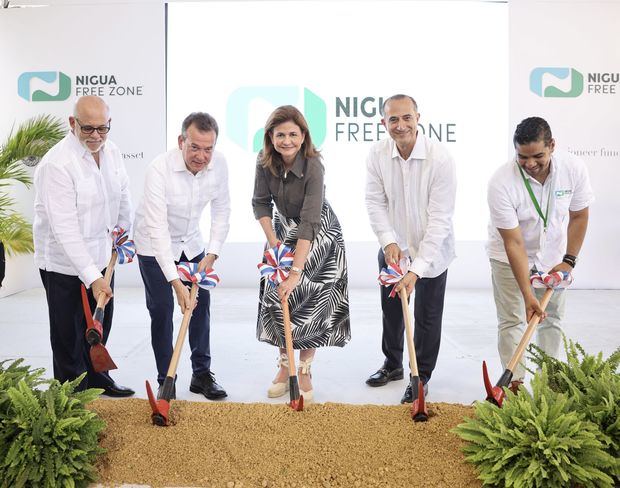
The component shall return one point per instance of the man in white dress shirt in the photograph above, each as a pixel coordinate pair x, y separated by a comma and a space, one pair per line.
410, 193
82, 193
179, 185
538, 203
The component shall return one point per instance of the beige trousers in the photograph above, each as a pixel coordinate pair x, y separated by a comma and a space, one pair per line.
511, 317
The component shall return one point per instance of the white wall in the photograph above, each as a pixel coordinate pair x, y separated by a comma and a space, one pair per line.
126, 42
582, 36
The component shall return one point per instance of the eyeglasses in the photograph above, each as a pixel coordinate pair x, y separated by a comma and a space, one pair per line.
89, 129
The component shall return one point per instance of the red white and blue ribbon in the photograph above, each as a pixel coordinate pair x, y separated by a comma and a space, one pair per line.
125, 248
188, 272
276, 264
392, 274
557, 279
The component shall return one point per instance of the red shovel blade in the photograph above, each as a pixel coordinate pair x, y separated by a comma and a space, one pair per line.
100, 359
418, 407
495, 394
160, 408
297, 405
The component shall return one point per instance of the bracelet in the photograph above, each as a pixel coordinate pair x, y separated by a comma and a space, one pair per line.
570, 260
296, 270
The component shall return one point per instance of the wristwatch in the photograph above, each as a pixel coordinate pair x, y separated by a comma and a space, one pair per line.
570, 260
296, 270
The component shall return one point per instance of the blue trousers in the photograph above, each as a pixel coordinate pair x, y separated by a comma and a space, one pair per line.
160, 303
428, 313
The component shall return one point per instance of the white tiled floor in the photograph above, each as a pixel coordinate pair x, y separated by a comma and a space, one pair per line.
245, 367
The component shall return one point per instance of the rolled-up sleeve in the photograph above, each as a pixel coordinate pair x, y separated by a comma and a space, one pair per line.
262, 202
313, 201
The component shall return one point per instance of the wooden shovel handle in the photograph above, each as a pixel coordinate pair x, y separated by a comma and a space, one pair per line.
178, 346
107, 278
288, 338
413, 361
531, 327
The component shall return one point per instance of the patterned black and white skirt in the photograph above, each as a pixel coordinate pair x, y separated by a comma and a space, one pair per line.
319, 304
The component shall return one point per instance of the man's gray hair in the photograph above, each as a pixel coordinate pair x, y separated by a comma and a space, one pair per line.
202, 121
398, 96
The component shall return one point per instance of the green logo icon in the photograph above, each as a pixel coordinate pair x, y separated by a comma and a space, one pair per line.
239, 108
25, 79
550, 91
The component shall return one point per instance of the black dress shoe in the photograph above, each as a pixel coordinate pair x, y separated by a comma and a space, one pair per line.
408, 396
116, 390
205, 383
384, 375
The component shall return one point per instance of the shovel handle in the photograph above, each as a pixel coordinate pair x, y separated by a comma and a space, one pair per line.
176, 354
413, 361
531, 327
107, 278
288, 338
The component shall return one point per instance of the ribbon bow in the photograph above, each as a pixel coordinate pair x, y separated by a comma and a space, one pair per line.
124, 247
276, 263
392, 274
188, 272
557, 279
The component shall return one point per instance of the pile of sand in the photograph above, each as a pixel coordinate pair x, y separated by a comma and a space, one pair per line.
233, 445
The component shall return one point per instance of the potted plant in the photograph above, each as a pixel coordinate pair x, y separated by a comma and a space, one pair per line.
24, 147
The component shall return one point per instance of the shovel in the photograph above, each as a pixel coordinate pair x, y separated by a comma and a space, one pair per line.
99, 356
297, 401
495, 394
161, 406
418, 407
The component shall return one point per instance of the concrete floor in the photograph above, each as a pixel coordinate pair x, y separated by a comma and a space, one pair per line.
245, 367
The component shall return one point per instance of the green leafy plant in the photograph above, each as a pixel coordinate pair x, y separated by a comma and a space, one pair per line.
10, 376
48, 437
535, 440
594, 387
28, 144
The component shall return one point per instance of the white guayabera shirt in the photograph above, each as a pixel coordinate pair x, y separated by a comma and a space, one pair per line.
77, 205
567, 188
411, 203
168, 218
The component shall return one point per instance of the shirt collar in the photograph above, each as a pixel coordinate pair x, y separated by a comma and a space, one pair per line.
298, 165
77, 146
418, 152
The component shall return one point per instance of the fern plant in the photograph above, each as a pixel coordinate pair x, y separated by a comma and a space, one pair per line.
535, 440
10, 376
594, 387
49, 438
28, 144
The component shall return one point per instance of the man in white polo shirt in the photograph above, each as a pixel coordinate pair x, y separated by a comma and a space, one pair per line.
410, 193
179, 185
538, 203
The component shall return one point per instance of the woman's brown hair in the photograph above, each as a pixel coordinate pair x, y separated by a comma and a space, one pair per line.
287, 113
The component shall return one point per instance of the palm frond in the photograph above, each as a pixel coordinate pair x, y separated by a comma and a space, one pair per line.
16, 234
32, 139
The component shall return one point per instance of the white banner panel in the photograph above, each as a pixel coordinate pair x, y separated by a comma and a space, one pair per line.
565, 67
337, 61
59, 53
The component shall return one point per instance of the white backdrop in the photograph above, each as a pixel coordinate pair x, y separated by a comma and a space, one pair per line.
116, 51
562, 44
335, 61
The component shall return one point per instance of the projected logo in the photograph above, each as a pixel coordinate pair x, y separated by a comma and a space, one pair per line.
556, 82
27, 81
239, 110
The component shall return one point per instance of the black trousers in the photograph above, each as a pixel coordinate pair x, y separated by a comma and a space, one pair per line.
68, 326
428, 314
160, 303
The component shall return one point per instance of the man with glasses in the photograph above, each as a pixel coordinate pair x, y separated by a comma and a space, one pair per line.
179, 185
539, 204
82, 193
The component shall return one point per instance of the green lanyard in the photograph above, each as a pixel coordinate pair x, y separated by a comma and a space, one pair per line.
534, 201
